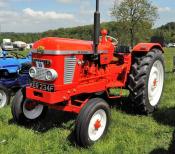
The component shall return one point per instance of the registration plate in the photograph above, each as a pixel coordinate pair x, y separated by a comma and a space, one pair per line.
42, 86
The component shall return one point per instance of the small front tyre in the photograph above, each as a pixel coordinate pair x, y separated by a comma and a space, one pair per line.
92, 122
25, 110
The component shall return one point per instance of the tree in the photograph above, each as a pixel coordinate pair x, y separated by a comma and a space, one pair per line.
133, 14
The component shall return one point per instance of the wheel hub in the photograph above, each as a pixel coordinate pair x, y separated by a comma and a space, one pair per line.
97, 124
155, 83
32, 110
30, 105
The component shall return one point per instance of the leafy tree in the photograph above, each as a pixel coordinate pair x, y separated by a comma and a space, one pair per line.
133, 14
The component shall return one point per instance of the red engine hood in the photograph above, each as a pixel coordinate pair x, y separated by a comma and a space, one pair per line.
63, 44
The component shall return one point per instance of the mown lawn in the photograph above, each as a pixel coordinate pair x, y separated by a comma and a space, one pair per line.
128, 133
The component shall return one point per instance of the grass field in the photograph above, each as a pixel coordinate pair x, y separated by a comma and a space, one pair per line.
128, 133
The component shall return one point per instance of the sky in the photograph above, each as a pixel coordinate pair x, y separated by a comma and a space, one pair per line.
43, 15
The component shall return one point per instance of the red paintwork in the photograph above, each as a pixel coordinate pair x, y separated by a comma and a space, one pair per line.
53, 43
90, 76
146, 47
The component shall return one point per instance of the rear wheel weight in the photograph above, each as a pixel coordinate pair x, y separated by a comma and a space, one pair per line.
92, 122
146, 81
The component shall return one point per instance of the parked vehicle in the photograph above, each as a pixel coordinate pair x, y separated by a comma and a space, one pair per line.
14, 74
19, 45
7, 45
29, 46
171, 45
69, 75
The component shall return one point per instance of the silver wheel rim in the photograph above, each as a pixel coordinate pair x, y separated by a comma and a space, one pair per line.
97, 125
3, 99
33, 113
155, 83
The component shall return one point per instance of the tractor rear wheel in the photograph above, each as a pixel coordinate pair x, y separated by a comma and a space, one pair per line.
4, 96
26, 111
92, 122
146, 81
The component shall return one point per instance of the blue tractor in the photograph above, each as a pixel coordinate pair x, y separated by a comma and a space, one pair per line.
14, 68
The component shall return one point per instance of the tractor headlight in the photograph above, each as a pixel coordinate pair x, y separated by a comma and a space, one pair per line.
32, 72
51, 75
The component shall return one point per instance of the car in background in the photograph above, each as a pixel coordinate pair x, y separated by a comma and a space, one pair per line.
7, 45
19, 45
29, 46
14, 74
171, 45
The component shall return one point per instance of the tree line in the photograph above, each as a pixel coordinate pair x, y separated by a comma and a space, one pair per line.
115, 29
134, 20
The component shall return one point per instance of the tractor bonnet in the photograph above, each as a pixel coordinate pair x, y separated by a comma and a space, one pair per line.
56, 46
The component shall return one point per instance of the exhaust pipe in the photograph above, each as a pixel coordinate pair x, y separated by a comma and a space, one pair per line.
96, 27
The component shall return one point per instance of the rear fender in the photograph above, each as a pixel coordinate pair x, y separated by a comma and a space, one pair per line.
146, 47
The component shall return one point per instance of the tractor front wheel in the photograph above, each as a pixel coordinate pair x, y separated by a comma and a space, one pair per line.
146, 81
24, 110
92, 122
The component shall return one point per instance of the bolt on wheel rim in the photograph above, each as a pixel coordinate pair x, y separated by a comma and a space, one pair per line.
155, 83
34, 112
3, 98
97, 125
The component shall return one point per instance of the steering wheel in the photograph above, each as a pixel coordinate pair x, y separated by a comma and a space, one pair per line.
17, 55
114, 40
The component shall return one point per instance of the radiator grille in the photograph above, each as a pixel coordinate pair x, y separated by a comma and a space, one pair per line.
69, 69
41, 74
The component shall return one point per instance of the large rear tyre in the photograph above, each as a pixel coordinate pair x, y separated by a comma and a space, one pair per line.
146, 81
4, 96
26, 111
92, 122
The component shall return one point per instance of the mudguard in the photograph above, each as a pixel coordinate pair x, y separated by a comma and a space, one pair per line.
146, 47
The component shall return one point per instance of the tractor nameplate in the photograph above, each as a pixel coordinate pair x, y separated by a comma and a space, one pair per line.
40, 49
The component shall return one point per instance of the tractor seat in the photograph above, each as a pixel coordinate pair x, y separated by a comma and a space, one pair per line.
123, 49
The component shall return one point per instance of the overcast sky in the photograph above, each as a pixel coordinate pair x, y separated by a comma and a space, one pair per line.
42, 15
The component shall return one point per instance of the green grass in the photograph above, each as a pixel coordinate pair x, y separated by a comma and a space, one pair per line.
128, 133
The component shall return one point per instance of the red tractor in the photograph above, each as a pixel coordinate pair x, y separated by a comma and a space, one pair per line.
69, 75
